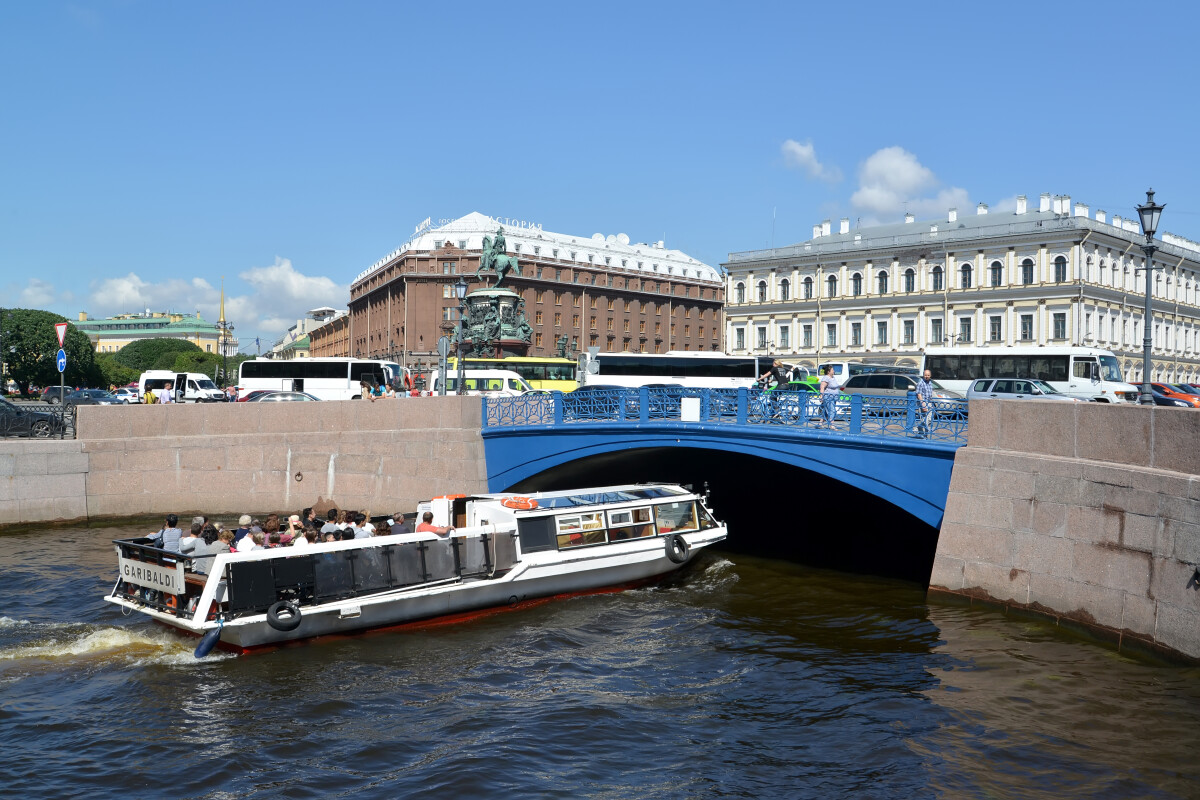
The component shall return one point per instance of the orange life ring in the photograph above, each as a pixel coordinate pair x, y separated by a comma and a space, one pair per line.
519, 503
450, 497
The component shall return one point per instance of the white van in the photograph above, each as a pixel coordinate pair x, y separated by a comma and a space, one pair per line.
189, 387
489, 382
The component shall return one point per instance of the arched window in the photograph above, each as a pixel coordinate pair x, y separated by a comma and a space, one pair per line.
762, 291
1060, 269
937, 279
910, 280
882, 281
808, 288
831, 286
739, 292
997, 271
965, 273
785, 290
1027, 271
856, 285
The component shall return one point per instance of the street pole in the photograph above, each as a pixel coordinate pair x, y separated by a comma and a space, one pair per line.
1148, 214
460, 289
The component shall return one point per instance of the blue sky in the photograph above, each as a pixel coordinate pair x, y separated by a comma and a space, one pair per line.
151, 148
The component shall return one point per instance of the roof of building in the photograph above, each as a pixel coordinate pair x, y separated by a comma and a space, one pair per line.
651, 257
146, 326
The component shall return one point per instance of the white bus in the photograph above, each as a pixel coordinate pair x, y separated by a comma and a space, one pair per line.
844, 370
325, 378
1088, 373
682, 368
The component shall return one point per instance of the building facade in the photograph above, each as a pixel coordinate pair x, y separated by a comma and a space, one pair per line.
111, 334
578, 292
890, 293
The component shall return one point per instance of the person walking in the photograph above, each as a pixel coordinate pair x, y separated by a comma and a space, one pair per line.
925, 404
829, 387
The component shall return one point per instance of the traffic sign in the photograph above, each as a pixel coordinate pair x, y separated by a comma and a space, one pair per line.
443, 346
61, 361
61, 329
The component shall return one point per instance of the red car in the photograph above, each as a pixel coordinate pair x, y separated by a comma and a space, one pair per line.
251, 395
1177, 393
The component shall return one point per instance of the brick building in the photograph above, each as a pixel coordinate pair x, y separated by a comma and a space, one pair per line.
596, 291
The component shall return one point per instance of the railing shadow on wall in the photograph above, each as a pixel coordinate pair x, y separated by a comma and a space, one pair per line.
853, 414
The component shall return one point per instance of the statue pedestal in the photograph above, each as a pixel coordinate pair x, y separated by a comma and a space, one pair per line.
495, 324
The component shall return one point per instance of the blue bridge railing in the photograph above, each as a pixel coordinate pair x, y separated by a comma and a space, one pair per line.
856, 414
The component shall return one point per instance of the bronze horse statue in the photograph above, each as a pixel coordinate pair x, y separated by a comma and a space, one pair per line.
500, 263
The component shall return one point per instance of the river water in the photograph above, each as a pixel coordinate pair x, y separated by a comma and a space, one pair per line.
737, 677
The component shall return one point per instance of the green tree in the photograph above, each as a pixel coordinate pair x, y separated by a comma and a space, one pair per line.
115, 373
31, 361
147, 354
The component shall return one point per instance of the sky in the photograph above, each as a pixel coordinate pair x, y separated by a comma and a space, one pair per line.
151, 149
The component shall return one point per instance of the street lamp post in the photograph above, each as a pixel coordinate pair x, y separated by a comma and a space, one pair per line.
1149, 214
460, 290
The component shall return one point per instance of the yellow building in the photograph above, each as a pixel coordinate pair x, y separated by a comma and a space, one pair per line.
111, 334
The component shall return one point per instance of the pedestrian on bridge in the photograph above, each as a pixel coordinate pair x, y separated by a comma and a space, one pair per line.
830, 387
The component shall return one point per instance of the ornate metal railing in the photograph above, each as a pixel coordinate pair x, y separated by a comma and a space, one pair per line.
856, 414
35, 420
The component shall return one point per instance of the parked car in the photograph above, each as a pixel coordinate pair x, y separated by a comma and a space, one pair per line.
1177, 393
1016, 389
283, 397
54, 394
127, 394
1161, 399
18, 420
248, 396
896, 386
90, 397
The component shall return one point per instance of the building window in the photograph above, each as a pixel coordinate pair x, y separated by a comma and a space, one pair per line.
807, 336
995, 328
1027, 271
910, 331
831, 334
537, 318
808, 288
739, 293
537, 340
1027, 326
855, 334
761, 334
935, 331
831, 286
574, 320
785, 290
557, 272
785, 336
1060, 325
762, 291
558, 298
611, 304
557, 319
964, 330
1060, 269
658, 329
642, 326
997, 271
856, 285
609, 324
739, 338
539, 295
910, 280
937, 279
881, 332
593, 301
965, 272
882, 281
577, 301
593, 323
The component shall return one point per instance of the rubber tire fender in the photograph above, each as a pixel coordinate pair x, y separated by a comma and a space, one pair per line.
284, 623
678, 548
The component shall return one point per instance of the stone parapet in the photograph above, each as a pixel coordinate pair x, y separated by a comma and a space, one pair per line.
42, 481
1085, 514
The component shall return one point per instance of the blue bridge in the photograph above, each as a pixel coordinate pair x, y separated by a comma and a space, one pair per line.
880, 445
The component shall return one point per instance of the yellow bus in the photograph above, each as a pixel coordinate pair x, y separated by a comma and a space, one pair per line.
548, 373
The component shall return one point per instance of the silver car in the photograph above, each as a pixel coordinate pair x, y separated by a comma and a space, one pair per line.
1016, 389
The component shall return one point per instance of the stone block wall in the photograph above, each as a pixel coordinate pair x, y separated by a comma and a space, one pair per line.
1086, 514
42, 480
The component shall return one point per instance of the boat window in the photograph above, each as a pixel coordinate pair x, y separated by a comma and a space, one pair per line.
676, 517
578, 530
630, 523
706, 519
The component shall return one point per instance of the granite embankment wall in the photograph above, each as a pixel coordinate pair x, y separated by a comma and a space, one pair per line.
1085, 514
245, 457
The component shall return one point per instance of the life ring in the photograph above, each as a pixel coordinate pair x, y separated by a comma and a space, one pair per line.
172, 603
519, 503
678, 549
284, 615
450, 497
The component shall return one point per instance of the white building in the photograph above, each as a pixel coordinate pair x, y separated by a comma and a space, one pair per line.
1051, 275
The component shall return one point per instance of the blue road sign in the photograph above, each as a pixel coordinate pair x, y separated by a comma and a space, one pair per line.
61, 360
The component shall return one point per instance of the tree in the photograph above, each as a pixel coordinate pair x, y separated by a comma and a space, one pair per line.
147, 354
30, 332
115, 374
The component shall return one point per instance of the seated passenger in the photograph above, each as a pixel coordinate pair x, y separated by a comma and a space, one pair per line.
168, 536
400, 524
427, 525
190, 539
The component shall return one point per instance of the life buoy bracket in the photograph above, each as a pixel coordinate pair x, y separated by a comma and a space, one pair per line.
284, 615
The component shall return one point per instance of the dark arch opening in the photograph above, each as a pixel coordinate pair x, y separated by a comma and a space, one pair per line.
773, 510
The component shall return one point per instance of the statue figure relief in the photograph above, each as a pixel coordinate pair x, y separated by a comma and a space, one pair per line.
494, 259
524, 331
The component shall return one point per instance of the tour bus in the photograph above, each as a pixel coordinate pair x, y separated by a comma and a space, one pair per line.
1088, 373
844, 370
325, 378
681, 368
540, 372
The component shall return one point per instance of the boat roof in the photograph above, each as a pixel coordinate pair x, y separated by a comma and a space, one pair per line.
602, 495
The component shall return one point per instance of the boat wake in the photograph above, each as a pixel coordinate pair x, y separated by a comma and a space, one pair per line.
58, 641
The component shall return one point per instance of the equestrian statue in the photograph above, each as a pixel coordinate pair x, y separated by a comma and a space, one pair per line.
495, 259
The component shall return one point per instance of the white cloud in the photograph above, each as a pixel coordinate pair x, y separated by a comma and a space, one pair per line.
37, 294
802, 155
892, 181
284, 285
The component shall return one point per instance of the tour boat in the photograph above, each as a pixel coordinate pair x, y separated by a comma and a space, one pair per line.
505, 549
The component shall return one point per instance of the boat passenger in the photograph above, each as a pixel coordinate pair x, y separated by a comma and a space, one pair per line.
331, 525
427, 525
208, 552
169, 535
243, 528
273, 540
360, 527
193, 537
400, 524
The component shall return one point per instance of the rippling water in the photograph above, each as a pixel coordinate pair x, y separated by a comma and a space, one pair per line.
738, 677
